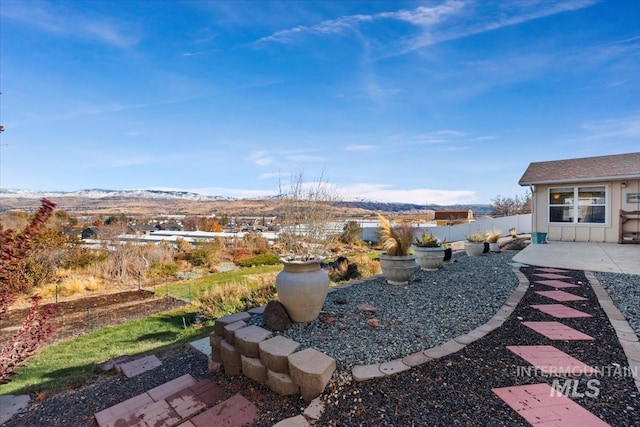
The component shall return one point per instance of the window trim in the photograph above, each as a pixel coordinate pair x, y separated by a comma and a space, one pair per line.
575, 206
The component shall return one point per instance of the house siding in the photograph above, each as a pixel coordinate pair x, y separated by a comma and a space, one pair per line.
587, 232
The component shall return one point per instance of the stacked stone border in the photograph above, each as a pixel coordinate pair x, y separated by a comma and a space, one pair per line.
275, 361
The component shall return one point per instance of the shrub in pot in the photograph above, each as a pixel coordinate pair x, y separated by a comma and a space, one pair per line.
429, 251
397, 263
474, 246
492, 237
306, 235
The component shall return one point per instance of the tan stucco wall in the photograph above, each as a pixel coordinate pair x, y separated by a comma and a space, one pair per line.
607, 232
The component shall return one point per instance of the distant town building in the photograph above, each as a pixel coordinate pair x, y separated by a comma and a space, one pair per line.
142, 229
169, 226
92, 232
452, 217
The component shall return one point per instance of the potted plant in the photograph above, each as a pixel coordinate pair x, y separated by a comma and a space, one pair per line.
397, 263
492, 237
306, 234
474, 246
429, 251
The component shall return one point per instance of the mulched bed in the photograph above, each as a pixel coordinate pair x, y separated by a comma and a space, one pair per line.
453, 390
456, 389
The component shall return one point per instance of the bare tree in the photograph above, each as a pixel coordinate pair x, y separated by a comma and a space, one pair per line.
516, 205
308, 218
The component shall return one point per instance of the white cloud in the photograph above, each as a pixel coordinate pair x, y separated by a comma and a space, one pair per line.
420, 16
420, 196
304, 158
357, 147
270, 175
463, 19
233, 192
369, 192
622, 127
64, 22
261, 158
511, 13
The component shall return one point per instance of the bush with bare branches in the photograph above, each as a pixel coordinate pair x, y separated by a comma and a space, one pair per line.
37, 328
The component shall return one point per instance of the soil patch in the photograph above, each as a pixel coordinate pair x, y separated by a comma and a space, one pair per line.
82, 315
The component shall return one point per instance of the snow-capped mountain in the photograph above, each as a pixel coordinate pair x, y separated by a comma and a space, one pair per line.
95, 193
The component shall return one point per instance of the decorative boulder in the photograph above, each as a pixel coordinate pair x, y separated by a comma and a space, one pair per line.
275, 317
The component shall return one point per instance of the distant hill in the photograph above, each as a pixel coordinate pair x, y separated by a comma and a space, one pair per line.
133, 202
478, 209
97, 193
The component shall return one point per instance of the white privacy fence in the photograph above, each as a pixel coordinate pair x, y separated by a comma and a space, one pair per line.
454, 233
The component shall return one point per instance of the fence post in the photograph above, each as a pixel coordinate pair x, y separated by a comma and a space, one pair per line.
89, 318
139, 280
57, 293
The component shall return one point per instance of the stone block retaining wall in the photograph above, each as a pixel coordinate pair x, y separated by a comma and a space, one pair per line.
272, 360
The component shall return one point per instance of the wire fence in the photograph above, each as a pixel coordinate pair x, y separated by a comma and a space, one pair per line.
77, 317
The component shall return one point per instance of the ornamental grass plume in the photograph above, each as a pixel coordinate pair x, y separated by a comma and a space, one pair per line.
477, 237
493, 236
396, 241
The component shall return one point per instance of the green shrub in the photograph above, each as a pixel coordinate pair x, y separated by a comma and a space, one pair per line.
163, 269
262, 259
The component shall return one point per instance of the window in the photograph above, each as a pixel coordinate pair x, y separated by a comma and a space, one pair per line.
578, 204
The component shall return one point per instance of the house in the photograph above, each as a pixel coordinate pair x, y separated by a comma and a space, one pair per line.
451, 217
142, 229
588, 199
169, 226
92, 232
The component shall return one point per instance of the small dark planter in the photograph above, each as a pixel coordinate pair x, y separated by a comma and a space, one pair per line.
447, 254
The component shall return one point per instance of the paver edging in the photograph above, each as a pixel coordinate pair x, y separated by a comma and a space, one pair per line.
618, 322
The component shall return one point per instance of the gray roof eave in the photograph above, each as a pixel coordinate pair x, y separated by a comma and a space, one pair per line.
589, 179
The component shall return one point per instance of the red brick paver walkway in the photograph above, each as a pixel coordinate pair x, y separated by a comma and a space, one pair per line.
555, 283
550, 270
138, 366
174, 402
552, 276
550, 360
541, 405
560, 296
560, 311
557, 331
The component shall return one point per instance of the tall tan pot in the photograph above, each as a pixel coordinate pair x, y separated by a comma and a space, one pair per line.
302, 288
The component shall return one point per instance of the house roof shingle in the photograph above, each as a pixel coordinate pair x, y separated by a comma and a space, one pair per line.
616, 166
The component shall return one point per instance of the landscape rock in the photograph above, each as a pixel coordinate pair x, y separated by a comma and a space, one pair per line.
275, 316
367, 308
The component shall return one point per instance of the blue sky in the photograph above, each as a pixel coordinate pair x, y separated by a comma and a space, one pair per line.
426, 102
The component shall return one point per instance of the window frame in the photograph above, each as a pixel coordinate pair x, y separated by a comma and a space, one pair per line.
575, 204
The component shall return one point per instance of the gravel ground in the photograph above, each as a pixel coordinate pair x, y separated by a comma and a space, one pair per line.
433, 308
453, 390
624, 290
456, 390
